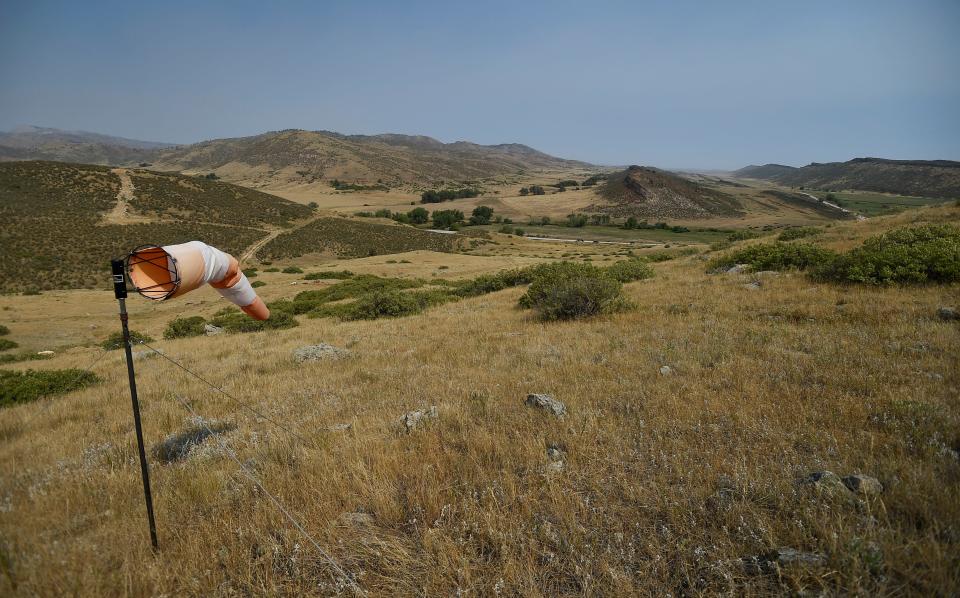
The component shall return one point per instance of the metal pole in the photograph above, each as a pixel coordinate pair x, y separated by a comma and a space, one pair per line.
120, 292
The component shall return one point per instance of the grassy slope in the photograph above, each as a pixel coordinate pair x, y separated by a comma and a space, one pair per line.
306, 157
936, 178
668, 480
54, 236
657, 194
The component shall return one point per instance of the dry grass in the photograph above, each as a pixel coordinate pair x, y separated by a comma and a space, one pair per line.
668, 480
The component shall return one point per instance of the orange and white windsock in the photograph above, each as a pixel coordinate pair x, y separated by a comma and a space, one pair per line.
173, 270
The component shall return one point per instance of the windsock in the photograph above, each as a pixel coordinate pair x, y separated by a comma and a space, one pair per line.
172, 270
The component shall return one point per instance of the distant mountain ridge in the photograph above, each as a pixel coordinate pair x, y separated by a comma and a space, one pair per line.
42, 143
924, 178
292, 156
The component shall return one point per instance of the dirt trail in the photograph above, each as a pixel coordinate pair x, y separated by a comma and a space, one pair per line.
120, 214
251, 251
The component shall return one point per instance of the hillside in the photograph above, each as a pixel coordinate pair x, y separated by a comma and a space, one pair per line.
646, 192
766, 172
56, 232
291, 157
41, 143
923, 178
700, 426
296, 156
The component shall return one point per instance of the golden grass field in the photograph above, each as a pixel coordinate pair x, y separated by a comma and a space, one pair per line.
667, 482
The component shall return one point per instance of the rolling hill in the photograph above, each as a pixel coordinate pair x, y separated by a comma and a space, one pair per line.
765, 172
647, 192
291, 156
296, 156
62, 224
41, 143
55, 234
924, 178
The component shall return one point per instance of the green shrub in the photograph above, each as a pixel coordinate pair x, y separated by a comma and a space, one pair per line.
22, 356
384, 304
630, 270
330, 275
22, 387
185, 327
292, 270
910, 255
742, 235
446, 218
115, 340
481, 215
250, 272
4, 331
257, 284
272, 270
799, 232
32, 292
233, 320
777, 256
7, 344
567, 290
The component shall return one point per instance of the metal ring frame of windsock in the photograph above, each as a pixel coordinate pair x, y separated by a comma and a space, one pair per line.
166, 272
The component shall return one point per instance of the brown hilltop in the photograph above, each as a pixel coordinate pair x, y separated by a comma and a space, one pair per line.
648, 192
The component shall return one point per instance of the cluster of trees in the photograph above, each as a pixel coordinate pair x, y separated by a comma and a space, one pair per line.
441, 218
433, 196
632, 224
590, 182
532, 190
581, 220
341, 186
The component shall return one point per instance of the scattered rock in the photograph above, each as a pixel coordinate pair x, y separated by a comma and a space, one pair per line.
826, 483
948, 313
555, 453
211, 330
340, 427
546, 403
414, 419
738, 269
766, 274
319, 352
48, 352
753, 286
781, 557
554, 467
863, 484
180, 445
666, 370
146, 354
355, 519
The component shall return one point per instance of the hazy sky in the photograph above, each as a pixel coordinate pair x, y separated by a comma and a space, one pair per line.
674, 84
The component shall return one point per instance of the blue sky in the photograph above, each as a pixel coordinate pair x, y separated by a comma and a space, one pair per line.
672, 84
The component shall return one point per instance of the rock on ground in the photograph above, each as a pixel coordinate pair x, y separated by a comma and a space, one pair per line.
414, 419
211, 330
546, 403
179, 445
318, 353
826, 483
948, 313
863, 484
782, 557
738, 269
665, 370
753, 286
